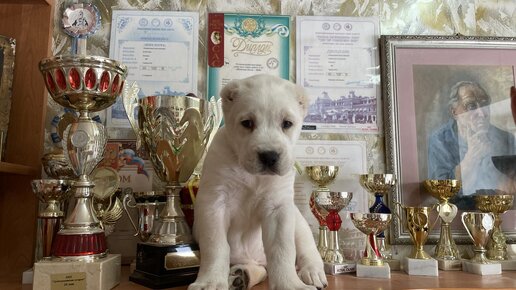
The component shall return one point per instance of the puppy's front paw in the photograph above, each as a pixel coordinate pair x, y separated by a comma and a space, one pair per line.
313, 275
209, 285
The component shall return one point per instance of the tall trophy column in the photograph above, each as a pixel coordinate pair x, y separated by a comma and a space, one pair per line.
175, 131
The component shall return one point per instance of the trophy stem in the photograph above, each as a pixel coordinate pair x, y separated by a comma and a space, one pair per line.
322, 245
372, 256
382, 247
480, 256
173, 228
497, 247
446, 248
333, 254
47, 231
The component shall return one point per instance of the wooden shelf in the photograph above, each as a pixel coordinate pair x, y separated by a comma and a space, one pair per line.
12, 168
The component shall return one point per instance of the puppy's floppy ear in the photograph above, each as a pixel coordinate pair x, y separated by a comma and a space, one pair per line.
303, 98
230, 91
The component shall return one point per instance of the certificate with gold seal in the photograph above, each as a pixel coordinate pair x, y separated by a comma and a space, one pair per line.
242, 45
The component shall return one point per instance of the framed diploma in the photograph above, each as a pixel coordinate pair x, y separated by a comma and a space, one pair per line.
242, 45
160, 49
338, 65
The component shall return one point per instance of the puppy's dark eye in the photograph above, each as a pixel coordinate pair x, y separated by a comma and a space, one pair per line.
249, 124
286, 124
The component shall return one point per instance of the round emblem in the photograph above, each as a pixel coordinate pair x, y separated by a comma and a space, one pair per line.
272, 63
249, 24
487, 222
80, 139
420, 219
80, 20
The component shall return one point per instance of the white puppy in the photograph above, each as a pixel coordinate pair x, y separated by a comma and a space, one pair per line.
245, 214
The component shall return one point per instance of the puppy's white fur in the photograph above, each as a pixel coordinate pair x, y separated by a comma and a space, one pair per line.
245, 215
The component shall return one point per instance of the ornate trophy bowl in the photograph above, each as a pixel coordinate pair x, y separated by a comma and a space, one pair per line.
175, 131
321, 176
86, 84
83, 83
51, 192
333, 202
496, 204
371, 224
479, 226
56, 166
443, 190
148, 204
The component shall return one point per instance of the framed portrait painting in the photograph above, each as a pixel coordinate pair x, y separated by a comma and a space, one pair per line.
447, 116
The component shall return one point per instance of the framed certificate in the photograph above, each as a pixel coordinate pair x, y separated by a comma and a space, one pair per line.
242, 45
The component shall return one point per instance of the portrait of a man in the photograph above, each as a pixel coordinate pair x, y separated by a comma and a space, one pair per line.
462, 128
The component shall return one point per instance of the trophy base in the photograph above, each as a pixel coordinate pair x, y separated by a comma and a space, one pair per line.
420, 267
481, 269
102, 274
28, 276
382, 272
165, 266
394, 264
449, 265
340, 268
508, 265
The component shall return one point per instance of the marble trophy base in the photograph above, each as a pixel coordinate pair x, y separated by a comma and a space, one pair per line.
420, 267
508, 265
394, 264
336, 269
28, 276
101, 274
449, 265
165, 266
481, 269
383, 272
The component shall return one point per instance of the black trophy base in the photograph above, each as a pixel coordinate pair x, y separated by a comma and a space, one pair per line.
165, 266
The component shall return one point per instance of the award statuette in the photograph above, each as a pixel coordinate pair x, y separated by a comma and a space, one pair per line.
106, 205
446, 251
371, 265
479, 226
175, 131
333, 202
496, 204
321, 175
418, 225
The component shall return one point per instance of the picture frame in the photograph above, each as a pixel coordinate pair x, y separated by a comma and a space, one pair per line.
7, 54
418, 74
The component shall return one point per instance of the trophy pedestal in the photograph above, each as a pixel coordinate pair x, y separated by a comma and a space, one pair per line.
383, 271
102, 274
165, 266
481, 269
420, 267
508, 265
394, 264
335, 269
28, 276
449, 265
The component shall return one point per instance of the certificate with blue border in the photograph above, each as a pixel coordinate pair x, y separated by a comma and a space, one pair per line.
242, 45
160, 49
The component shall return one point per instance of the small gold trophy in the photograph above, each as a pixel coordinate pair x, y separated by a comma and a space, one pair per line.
496, 204
333, 202
418, 225
371, 265
480, 226
321, 176
379, 185
446, 251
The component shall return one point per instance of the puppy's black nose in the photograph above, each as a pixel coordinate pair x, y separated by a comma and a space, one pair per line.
268, 158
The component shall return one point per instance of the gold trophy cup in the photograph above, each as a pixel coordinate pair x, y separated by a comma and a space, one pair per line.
322, 176
371, 224
175, 131
443, 190
479, 226
418, 225
496, 204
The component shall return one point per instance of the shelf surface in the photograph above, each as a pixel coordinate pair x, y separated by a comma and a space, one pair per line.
12, 168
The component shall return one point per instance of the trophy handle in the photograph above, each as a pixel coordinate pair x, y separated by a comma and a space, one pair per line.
398, 206
465, 226
125, 203
215, 111
130, 100
434, 206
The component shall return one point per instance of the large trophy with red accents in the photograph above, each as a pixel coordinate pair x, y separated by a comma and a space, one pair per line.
86, 84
